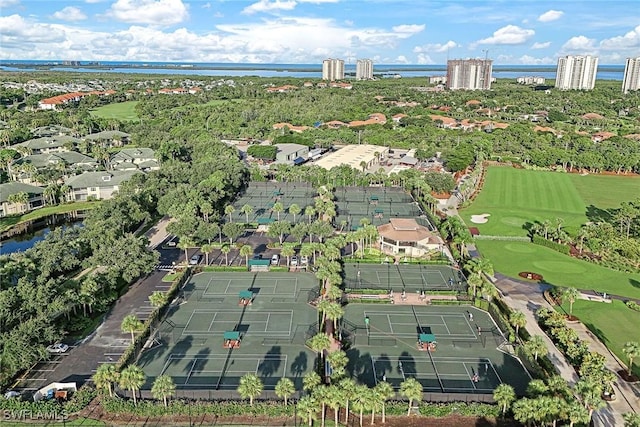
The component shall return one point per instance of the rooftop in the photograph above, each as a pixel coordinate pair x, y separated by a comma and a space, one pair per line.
10, 188
406, 230
352, 155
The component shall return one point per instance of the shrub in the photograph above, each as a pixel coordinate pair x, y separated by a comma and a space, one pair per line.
80, 399
558, 247
633, 305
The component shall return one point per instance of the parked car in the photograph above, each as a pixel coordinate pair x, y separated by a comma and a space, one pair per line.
304, 260
195, 260
294, 261
275, 259
58, 348
11, 394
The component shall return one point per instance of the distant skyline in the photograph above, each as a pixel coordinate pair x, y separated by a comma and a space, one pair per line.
308, 31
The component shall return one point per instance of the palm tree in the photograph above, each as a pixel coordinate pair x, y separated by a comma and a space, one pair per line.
384, 392
631, 419
320, 394
590, 394
131, 324
475, 280
225, 249
246, 210
310, 212
246, 251
338, 361
536, 347
207, 249
412, 390
333, 313
348, 386
481, 266
294, 210
362, 400
504, 395
104, 378
21, 199
250, 387
285, 389
278, 207
157, 298
319, 343
288, 250
576, 413
132, 378
163, 387
310, 381
335, 397
229, 210
631, 349
571, 295
518, 320
308, 406
185, 243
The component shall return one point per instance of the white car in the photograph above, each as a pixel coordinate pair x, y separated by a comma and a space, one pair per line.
11, 394
294, 261
304, 260
195, 260
58, 348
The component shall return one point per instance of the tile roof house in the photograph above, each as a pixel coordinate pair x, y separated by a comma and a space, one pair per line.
404, 236
108, 138
97, 185
61, 100
291, 127
67, 161
135, 158
7, 207
53, 130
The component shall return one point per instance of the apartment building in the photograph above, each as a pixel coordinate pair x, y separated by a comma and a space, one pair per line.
364, 69
576, 72
631, 79
469, 74
332, 69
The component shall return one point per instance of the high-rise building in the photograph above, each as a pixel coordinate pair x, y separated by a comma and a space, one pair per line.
470, 74
364, 69
333, 69
631, 80
576, 72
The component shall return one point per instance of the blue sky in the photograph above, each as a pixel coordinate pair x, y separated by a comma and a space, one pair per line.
306, 31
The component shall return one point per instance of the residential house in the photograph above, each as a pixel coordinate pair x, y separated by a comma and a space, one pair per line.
292, 154
53, 130
49, 144
108, 138
34, 199
404, 236
135, 158
97, 185
68, 162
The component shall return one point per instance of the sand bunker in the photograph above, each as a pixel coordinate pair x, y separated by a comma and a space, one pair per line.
480, 219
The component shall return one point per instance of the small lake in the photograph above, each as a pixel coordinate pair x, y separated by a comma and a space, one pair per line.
25, 235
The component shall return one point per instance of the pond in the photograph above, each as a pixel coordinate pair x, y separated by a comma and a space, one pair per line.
23, 236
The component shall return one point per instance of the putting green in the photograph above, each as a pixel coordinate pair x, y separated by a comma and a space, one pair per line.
513, 221
521, 249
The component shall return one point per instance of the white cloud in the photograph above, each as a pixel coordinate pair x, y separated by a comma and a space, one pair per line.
530, 60
550, 15
21, 34
511, 34
150, 12
409, 29
318, 1
7, 3
539, 45
94, 1
579, 43
206, 5
70, 13
424, 59
631, 40
401, 60
436, 47
269, 6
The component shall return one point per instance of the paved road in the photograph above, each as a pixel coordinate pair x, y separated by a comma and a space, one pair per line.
108, 342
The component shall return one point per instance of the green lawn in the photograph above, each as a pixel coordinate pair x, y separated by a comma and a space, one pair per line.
614, 324
515, 197
121, 111
510, 258
8, 222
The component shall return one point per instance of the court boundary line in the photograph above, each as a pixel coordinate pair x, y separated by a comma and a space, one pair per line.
240, 317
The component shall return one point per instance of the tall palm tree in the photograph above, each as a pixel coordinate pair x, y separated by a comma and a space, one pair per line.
21, 199
104, 378
319, 343
348, 386
132, 378
278, 208
157, 298
294, 210
250, 387
362, 400
131, 324
504, 395
246, 210
321, 395
536, 347
246, 251
590, 394
225, 249
310, 212
163, 387
333, 313
229, 210
335, 397
206, 249
384, 391
631, 349
412, 390
308, 406
310, 381
338, 361
285, 389
571, 295
518, 320
288, 250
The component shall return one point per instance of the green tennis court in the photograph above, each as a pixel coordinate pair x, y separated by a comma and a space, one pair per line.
467, 355
262, 196
211, 338
404, 277
376, 204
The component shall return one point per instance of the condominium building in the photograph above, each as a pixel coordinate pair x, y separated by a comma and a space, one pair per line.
364, 69
470, 74
530, 80
332, 69
576, 72
631, 80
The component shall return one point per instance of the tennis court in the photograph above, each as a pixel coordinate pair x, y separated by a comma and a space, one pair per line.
227, 324
404, 277
376, 204
262, 196
464, 352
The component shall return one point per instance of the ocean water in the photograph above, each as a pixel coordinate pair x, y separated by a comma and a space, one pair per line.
311, 71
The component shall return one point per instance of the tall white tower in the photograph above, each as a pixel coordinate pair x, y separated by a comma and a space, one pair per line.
631, 80
576, 72
333, 69
364, 69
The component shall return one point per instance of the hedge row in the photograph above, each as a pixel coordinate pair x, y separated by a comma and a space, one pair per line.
633, 305
558, 247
